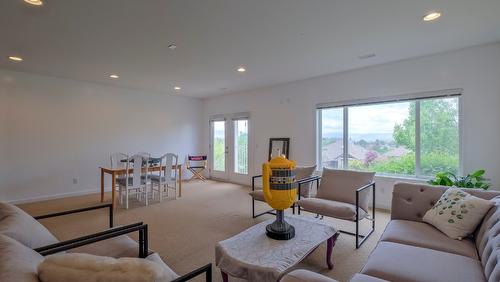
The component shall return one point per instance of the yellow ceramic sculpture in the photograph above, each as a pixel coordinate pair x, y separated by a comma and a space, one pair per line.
280, 189
279, 183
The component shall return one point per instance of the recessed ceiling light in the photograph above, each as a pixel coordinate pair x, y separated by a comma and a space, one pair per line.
15, 58
34, 2
172, 46
177, 88
241, 69
114, 76
431, 16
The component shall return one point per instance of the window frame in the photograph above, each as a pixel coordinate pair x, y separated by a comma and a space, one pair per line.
417, 98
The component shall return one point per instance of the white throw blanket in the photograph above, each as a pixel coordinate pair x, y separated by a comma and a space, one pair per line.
76, 267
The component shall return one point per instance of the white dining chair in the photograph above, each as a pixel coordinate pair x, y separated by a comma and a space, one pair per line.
137, 181
165, 179
116, 162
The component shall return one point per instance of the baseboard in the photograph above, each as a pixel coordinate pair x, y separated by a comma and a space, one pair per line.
57, 196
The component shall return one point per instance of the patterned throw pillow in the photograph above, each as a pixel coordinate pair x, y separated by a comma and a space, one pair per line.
457, 213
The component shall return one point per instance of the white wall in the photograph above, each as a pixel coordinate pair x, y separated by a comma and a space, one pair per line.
288, 110
53, 130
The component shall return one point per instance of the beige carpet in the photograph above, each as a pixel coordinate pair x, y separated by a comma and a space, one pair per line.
184, 231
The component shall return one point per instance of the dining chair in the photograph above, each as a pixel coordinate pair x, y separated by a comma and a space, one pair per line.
117, 162
163, 180
137, 180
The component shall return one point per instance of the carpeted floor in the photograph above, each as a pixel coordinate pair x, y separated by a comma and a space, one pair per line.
184, 231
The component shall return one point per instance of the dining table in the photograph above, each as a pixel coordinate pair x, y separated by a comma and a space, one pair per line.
114, 172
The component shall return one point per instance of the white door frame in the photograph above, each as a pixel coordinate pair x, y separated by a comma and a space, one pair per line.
229, 174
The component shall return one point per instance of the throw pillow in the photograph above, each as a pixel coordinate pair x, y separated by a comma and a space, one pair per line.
301, 173
79, 267
457, 213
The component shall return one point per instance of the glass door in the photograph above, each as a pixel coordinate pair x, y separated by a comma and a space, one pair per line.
230, 149
218, 150
240, 154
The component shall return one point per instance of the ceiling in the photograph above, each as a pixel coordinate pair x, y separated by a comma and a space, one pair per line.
277, 41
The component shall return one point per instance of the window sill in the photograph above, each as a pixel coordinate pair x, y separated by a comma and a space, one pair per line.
402, 178
423, 179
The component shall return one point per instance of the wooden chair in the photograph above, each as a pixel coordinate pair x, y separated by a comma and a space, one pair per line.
197, 164
344, 194
165, 179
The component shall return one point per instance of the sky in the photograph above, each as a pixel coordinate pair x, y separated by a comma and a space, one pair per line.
366, 122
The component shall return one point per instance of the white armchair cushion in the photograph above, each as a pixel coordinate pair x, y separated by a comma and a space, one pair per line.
77, 267
341, 185
301, 173
17, 262
22, 227
331, 208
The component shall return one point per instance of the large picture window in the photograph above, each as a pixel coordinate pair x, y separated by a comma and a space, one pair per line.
417, 138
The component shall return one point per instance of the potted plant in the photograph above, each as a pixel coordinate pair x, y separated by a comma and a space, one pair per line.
473, 180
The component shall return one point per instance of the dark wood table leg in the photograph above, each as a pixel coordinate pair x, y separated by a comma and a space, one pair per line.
225, 278
329, 249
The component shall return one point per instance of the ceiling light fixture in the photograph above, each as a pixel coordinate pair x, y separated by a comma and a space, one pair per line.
34, 2
177, 88
114, 76
172, 46
15, 58
431, 16
241, 69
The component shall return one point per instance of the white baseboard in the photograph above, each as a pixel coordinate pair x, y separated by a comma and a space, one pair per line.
58, 196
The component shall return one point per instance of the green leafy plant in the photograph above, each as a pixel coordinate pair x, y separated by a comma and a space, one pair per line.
473, 180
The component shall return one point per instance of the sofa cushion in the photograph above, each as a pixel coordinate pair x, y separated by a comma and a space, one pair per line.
18, 263
423, 235
488, 242
341, 186
117, 247
302, 275
457, 213
331, 208
77, 267
411, 201
404, 263
301, 173
358, 277
22, 227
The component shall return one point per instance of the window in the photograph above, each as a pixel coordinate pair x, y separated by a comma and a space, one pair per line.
417, 137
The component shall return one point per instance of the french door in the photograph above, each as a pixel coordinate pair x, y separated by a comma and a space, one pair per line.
229, 148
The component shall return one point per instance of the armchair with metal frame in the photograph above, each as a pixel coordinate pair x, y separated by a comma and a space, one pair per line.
113, 232
343, 195
258, 195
